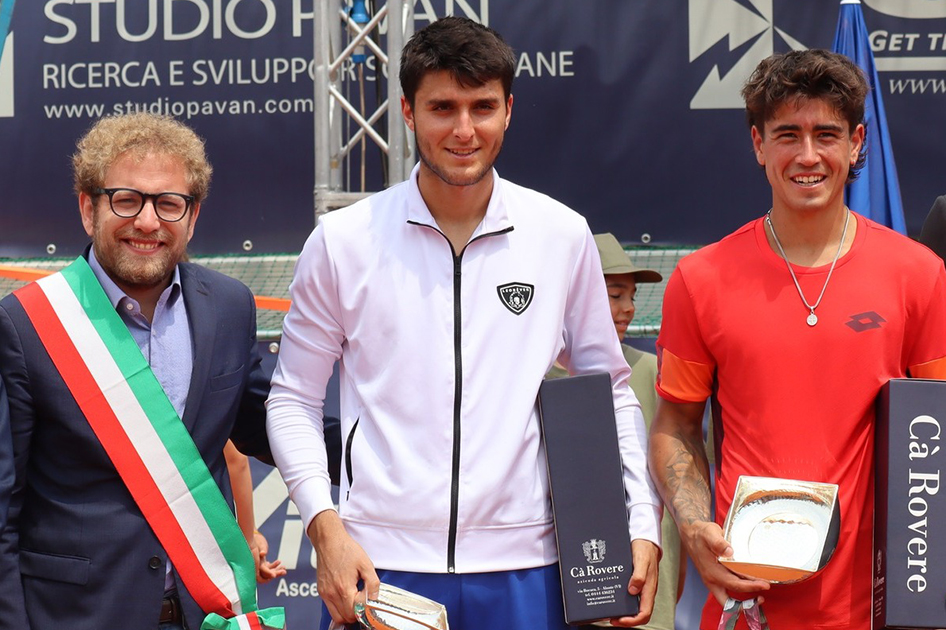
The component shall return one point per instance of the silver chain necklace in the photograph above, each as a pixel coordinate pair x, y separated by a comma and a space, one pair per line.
812, 318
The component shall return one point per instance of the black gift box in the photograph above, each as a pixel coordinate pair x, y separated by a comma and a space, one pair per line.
588, 497
910, 509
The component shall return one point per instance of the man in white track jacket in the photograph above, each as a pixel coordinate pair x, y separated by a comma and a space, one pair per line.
447, 298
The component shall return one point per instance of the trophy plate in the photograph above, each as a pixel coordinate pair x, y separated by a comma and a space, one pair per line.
397, 609
781, 530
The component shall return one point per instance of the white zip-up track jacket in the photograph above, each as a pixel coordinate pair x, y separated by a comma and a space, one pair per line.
442, 355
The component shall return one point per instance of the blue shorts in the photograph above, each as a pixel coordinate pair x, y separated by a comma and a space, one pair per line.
504, 600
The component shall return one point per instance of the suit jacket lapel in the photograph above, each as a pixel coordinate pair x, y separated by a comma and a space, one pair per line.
202, 317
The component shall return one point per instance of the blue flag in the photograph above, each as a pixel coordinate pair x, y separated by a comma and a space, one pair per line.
876, 192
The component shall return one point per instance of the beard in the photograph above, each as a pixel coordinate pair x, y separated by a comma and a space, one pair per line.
456, 179
130, 270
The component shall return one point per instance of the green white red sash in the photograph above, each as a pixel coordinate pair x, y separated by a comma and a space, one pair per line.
148, 444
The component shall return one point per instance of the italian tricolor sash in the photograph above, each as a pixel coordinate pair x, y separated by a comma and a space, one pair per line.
148, 444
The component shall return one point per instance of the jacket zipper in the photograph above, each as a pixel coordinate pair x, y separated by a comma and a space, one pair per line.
348, 467
458, 391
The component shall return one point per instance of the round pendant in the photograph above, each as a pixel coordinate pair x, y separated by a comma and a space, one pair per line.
812, 319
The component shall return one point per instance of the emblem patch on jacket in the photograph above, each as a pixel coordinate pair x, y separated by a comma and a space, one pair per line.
516, 296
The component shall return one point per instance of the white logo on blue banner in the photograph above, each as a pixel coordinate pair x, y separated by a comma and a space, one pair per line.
906, 46
711, 21
6, 59
6, 77
928, 9
278, 519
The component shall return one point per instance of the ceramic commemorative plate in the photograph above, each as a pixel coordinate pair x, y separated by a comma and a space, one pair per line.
781, 530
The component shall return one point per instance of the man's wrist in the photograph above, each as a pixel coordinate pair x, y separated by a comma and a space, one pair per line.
322, 525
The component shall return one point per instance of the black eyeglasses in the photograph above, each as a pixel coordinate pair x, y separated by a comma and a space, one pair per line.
128, 203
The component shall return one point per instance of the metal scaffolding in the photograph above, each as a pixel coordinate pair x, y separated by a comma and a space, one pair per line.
344, 32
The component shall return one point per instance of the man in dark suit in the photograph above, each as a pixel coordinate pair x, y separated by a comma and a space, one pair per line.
6, 457
78, 550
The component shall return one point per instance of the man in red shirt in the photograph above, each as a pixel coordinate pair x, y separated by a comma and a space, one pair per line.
792, 324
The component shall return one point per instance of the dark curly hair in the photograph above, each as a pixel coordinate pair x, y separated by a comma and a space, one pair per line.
806, 75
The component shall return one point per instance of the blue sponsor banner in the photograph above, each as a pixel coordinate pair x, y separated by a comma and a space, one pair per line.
627, 111
238, 71
278, 520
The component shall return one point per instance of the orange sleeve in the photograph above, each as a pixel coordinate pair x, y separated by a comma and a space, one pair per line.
935, 370
683, 381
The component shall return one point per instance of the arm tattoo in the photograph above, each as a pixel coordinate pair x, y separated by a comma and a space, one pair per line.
688, 480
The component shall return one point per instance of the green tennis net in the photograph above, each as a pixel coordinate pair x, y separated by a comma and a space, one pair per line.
269, 275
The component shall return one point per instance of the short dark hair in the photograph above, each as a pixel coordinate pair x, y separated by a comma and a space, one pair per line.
474, 54
808, 75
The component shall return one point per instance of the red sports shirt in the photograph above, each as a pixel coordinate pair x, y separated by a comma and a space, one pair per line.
795, 401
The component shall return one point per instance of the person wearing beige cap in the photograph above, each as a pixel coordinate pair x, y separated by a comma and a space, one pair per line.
621, 278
